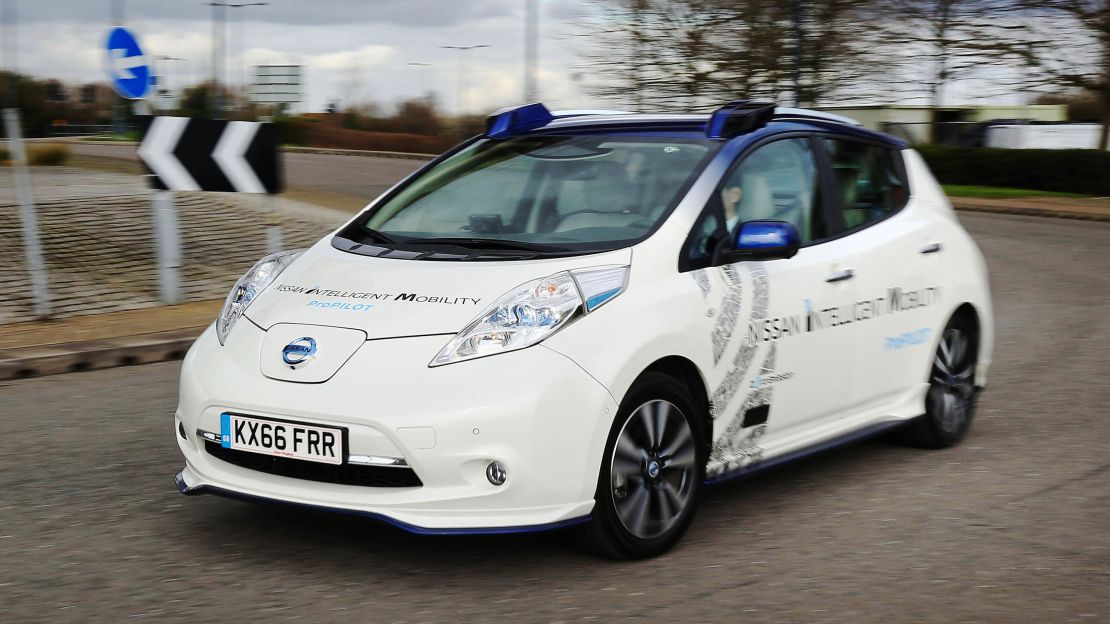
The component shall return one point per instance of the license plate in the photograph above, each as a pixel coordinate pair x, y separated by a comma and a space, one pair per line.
282, 438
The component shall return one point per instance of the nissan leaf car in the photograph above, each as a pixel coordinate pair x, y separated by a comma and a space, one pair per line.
581, 319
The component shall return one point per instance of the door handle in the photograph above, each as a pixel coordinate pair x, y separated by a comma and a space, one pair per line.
931, 248
840, 276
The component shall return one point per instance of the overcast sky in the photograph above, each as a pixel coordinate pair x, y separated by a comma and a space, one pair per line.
353, 50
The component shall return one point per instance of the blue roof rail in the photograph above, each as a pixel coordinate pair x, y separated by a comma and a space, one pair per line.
739, 117
509, 122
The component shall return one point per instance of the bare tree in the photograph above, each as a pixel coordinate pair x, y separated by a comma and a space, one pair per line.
697, 53
948, 40
656, 53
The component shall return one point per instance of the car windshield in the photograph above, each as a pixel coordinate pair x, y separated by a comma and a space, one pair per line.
553, 193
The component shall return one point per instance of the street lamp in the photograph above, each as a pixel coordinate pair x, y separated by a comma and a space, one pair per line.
461, 104
219, 47
243, 37
422, 69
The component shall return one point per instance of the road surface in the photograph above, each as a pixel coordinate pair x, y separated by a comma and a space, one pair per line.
1011, 526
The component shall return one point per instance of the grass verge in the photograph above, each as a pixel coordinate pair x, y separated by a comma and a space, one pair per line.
999, 192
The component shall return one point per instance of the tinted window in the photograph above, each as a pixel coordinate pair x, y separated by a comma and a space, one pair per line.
867, 180
778, 181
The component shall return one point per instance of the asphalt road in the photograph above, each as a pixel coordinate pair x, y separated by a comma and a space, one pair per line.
1011, 526
363, 176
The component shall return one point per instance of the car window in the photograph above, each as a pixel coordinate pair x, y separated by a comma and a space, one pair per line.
778, 181
867, 180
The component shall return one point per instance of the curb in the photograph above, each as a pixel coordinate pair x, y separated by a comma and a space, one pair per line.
95, 354
1035, 212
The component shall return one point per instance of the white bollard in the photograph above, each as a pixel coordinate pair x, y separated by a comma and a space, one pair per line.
167, 241
36, 266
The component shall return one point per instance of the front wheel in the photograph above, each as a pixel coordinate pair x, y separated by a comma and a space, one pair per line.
651, 474
950, 403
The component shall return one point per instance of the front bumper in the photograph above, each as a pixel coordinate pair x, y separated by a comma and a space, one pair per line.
534, 411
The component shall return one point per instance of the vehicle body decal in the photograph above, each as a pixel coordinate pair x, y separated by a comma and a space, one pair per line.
737, 446
726, 325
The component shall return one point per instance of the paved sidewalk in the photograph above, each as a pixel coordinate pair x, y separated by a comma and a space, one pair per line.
107, 340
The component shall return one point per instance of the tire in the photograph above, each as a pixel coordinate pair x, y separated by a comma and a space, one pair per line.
950, 402
651, 479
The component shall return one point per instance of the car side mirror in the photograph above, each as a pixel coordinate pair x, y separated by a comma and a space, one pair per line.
760, 240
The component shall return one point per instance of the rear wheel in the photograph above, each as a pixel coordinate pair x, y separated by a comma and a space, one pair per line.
651, 474
950, 403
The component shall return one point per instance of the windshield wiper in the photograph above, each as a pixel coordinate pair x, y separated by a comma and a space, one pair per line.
485, 243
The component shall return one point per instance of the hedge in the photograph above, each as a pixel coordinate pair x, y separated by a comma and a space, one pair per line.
1062, 170
312, 133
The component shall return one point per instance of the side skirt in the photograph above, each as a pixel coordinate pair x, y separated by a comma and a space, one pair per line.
793, 456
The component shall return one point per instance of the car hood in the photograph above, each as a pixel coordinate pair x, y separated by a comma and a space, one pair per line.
389, 298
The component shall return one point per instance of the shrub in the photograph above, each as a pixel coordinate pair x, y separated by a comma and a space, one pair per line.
315, 134
1063, 170
47, 155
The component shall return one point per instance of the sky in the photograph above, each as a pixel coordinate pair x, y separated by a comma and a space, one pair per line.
354, 51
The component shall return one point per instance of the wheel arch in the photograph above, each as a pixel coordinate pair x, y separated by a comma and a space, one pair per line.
686, 372
969, 311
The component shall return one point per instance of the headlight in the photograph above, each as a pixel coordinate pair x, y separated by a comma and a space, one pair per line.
249, 287
531, 312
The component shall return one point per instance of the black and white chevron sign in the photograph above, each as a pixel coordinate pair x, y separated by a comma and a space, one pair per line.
185, 154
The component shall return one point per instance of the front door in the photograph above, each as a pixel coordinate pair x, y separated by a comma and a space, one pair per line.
780, 333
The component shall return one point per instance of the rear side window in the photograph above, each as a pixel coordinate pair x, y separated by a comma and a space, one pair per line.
868, 181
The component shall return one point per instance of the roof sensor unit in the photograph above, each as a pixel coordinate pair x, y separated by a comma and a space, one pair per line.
513, 121
739, 117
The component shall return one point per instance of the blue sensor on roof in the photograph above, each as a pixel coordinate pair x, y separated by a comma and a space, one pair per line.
739, 117
513, 121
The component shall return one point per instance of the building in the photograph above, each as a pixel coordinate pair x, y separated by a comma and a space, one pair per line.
958, 125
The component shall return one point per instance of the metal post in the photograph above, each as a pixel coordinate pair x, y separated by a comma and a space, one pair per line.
218, 12
118, 105
463, 51
459, 88
167, 243
531, 35
274, 242
36, 266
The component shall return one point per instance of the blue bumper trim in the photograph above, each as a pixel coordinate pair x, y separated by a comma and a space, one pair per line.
774, 462
411, 528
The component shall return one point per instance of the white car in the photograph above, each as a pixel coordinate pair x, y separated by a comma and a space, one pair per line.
580, 319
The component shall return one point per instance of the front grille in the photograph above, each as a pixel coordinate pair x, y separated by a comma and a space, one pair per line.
343, 474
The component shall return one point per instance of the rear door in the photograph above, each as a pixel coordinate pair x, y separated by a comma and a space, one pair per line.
895, 253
